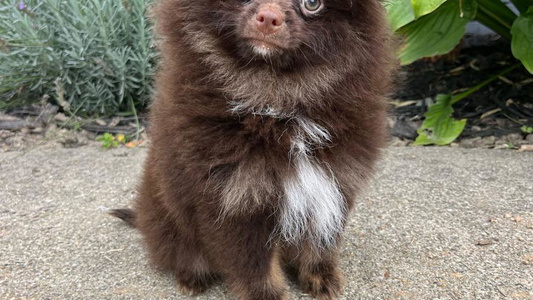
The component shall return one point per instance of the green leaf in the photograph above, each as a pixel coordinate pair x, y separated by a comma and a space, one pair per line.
107, 140
424, 7
526, 129
496, 26
522, 43
522, 5
498, 11
399, 13
437, 33
439, 127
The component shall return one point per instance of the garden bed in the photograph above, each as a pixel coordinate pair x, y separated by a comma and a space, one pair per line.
496, 114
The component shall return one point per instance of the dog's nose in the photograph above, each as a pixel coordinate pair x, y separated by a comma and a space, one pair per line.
269, 20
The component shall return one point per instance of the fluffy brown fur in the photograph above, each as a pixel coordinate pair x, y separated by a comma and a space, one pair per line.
258, 154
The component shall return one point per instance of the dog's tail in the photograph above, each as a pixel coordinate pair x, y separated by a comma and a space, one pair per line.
126, 214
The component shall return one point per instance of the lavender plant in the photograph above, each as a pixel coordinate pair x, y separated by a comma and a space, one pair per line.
91, 56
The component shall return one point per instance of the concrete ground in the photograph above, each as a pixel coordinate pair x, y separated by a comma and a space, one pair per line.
436, 223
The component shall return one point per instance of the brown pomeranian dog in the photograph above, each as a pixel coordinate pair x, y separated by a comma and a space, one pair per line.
268, 118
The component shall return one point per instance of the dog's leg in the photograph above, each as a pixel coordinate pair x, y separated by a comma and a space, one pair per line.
174, 248
171, 239
317, 270
250, 262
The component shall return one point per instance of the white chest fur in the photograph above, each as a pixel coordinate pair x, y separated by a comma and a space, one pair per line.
314, 207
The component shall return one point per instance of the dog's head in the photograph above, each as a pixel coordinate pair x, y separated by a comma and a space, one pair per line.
273, 52
282, 33
271, 30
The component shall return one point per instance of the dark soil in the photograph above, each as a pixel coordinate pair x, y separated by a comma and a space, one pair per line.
495, 113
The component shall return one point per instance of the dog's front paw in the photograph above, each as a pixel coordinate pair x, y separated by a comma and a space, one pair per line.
326, 286
193, 285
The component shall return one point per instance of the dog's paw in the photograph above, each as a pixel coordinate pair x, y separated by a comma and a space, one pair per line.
193, 285
322, 286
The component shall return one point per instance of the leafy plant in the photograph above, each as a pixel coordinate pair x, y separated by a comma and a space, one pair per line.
90, 56
439, 127
526, 129
110, 141
435, 27
107, 140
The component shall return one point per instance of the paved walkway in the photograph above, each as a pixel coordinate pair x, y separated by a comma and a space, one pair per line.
437, 223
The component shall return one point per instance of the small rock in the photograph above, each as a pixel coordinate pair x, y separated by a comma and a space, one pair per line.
37, 130
514, 138
391, 121
520, 295
398, 142
403, 129
51, 130
471, 143
440, 283
5, 117
114, 122
527, 259
69, 142
121, 154
529, 138
4, 134
503, 123
88, 135
73, 142
488, 141
508, 141
100, 122
60, 117
500, 141
484, 242
526, 148
457, 275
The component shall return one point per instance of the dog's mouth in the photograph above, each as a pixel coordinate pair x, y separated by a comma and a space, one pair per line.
264, 47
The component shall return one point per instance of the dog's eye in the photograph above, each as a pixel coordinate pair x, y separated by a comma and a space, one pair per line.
312, 5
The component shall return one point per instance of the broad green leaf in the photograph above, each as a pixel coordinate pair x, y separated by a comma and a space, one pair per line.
437, 33
522, 43
486, 19
399, 13
522, 5
497, 11
439, 127
424, 7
